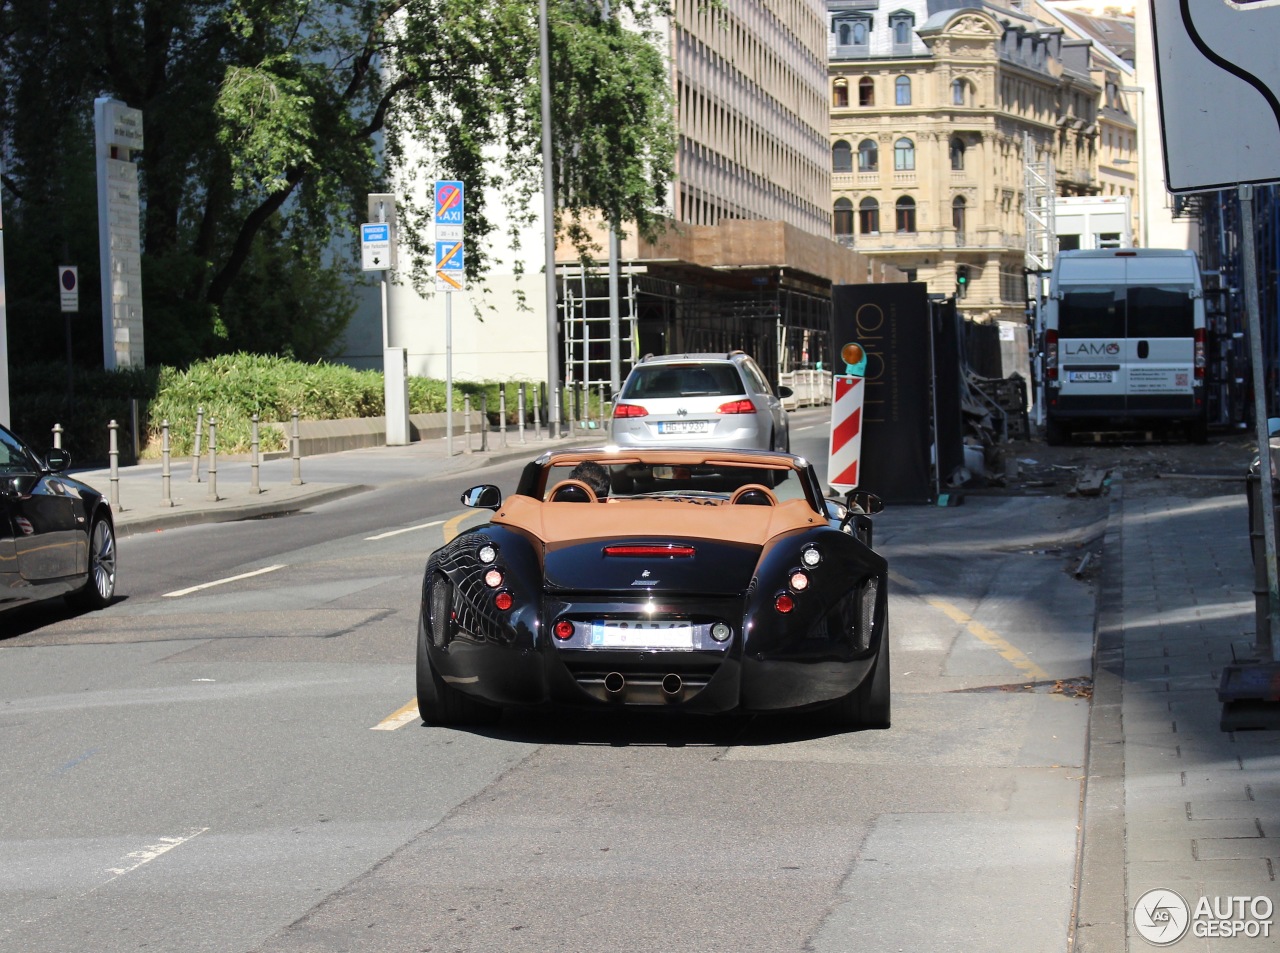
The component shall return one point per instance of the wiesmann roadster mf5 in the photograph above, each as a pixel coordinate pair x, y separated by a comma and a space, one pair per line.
689, 580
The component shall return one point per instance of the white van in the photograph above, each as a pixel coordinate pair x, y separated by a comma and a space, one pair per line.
1124, 342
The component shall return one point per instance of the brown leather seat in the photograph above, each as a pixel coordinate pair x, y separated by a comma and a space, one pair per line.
572, 491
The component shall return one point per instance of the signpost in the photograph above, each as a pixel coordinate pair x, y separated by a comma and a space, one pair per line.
450, 276
118, 135
4, 334
378, 253
1219, 84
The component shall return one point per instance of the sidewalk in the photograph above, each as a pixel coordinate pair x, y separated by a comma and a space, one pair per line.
1172, 802
140, 489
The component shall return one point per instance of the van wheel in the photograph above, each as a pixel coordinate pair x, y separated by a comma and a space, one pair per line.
1055, 434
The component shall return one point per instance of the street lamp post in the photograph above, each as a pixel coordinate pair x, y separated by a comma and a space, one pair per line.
548, 214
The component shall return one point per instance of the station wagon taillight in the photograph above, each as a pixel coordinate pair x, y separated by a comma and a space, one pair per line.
737, 407
1199, 354
629, 410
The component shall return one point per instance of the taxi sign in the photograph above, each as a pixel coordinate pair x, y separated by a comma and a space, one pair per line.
449, 202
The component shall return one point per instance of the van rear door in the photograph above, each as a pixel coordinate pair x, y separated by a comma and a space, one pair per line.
1091, 333
1160, 351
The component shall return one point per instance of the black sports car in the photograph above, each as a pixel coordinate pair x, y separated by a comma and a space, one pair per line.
56, 534
693, 580
689, 580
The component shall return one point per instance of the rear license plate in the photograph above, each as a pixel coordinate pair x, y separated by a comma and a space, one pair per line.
641, 635
1090, 377
684, 426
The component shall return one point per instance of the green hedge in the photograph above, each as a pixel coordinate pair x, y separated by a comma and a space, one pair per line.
230, 389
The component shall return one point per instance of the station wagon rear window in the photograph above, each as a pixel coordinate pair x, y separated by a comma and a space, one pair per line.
692, 380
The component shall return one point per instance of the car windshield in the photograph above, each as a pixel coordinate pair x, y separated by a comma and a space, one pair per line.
710, 480
682, 380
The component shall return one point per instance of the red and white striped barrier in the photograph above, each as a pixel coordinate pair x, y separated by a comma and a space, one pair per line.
846, 433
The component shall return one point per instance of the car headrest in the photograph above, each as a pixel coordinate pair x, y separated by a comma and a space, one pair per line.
753, 494
572, 491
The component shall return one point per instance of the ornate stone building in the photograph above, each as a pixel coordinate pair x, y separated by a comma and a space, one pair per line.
937, 108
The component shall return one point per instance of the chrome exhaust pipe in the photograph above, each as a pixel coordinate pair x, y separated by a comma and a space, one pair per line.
614, 683
672, 685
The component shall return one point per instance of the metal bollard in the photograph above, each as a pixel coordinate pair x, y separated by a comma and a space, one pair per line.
502, 412
484, 421
557, 413
113, 453
600, 409
166, 481
195, 452
213, 460
254, 459
537, 412
297, 451
520, 409
466, 420
57, 436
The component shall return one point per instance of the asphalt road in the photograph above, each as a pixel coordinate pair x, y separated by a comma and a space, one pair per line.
224, 760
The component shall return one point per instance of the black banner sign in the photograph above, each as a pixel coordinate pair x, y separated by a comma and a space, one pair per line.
891, 322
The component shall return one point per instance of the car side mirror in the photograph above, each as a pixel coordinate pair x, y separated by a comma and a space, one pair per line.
57, 460
483, 497
866, 501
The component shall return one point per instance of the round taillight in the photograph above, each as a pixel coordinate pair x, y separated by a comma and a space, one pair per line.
799, 582
563, 630
493, 579
811, 557
721, 632
784, 603
487, 554
503, 601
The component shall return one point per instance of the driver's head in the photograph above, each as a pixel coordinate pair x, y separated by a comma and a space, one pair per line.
593, 475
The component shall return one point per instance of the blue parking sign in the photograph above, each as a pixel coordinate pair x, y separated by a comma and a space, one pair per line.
449, 202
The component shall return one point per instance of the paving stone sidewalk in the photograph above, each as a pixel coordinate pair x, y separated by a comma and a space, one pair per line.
1183, 805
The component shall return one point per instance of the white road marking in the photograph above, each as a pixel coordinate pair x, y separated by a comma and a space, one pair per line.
221, 582
137, 858
407, 529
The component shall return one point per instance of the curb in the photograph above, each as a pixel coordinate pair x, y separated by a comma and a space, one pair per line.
127, 526
1100, 919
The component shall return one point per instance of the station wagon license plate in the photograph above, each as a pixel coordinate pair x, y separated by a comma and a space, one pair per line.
684, 426
1090, 377
641, 635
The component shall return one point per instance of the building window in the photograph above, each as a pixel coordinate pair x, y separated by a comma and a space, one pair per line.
902, 91
840, 94
841, 157
906, 214
958, 208
957, 154
842, 220
853, 32
901, 24
868, 156
958, 92
869, 217
904, 155
866, 92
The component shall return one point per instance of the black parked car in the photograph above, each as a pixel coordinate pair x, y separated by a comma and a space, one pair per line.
699, 580
56, 533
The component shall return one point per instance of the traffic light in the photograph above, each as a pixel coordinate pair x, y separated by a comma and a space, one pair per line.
962, 280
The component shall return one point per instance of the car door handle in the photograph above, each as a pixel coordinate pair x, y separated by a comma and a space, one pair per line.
1144, 349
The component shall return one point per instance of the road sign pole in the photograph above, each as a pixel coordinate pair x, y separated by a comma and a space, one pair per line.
1248, 251
448, 370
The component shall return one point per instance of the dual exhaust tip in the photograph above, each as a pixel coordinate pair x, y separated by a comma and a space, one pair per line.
615, 684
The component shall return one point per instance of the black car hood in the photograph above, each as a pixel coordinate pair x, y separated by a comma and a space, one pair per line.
716, 567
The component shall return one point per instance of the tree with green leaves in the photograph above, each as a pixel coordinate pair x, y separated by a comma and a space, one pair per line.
267, 122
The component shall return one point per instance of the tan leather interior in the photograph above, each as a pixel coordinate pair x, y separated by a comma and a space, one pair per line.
677, 519
751, 489
557, 496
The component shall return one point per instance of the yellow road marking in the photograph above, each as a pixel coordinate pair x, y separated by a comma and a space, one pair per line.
1007, 651
399, 718
451, 528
